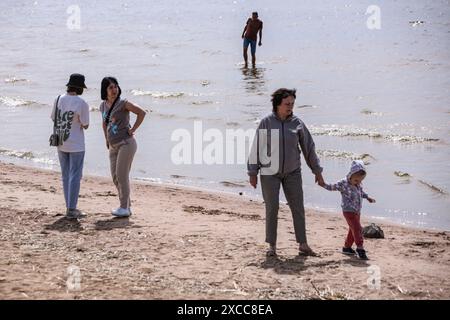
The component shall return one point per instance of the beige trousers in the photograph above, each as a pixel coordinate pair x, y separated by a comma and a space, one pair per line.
121, 156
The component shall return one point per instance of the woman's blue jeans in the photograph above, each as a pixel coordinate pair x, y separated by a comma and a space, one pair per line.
72, 170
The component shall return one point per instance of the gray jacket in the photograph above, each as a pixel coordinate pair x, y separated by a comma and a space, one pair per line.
294, 138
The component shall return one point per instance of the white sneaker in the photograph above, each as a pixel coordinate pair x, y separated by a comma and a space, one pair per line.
121, 212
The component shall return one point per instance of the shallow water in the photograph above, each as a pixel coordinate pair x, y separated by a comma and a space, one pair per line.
378, 95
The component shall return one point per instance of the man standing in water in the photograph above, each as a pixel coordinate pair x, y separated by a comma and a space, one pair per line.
250, 36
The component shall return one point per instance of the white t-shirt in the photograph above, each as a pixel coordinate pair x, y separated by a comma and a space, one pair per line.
73, 113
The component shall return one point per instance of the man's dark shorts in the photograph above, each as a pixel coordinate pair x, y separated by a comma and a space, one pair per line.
252, 44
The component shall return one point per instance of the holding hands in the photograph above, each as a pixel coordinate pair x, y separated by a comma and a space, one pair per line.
319, 179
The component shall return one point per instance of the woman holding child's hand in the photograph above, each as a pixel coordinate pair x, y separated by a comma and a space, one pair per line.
284, 169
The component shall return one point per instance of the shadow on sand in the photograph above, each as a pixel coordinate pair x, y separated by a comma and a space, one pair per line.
65, 225
355, 262
114, 223
298, 264
285, 266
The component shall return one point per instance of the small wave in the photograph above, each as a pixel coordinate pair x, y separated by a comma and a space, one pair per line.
83, 50
17, 154
343, 132
359, 132
365, 157
232, 184
211, 53
233, 124
200, 103
157, 94
167, 95
176, 116
45, 160
152, 180
14, 102
433, 187
177, 176
165, 115
26, 155
428, 184
409, 139
14, 80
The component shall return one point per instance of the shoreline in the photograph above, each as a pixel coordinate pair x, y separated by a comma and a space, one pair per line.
143, 180
184, 243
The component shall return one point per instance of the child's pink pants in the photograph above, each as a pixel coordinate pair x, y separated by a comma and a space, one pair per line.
355, 230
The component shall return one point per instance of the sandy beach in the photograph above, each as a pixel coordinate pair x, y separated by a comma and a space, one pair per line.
182, 243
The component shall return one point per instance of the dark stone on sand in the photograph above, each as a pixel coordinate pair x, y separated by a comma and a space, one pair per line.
373, 231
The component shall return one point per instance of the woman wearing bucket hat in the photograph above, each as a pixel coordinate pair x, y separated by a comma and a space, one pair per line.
72, 118
119, 135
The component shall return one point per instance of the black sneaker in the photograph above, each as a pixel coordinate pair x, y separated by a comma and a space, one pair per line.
349, 251
362, 254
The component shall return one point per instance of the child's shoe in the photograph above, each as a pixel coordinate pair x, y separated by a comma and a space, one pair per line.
362, 254
348, 251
